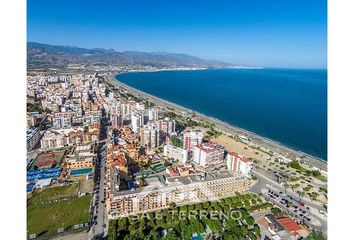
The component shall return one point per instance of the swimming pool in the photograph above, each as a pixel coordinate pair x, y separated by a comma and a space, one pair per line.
80, 171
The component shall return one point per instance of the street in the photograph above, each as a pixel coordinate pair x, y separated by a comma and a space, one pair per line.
99, 216
265, 183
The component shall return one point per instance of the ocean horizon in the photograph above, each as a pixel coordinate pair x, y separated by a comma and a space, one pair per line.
288, 106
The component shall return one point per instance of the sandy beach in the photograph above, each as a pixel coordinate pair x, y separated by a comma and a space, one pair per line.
228, 129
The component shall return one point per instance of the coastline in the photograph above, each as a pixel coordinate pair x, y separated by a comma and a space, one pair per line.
227, 128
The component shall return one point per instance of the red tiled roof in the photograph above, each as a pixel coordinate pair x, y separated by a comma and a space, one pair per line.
233, 154
246, 160
241, 158
289, 224
208, 146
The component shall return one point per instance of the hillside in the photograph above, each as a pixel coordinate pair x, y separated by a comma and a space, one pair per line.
49, 56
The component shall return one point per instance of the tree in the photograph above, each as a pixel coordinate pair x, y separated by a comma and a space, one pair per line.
206, 205
246, 203
197, 226
152, 235
316, 173
214, 225
257, 230
250, 221
122, 224
176, 141
295, 164
276, 211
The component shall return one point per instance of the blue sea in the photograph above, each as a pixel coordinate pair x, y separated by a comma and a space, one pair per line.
285, 105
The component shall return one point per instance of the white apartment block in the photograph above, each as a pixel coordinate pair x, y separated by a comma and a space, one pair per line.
177, 153
208, 154
153, 114
126, 110
238, 164
137, 120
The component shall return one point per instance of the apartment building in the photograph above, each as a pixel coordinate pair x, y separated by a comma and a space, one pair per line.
137, 120
208, 154
62, 120
116, 120
57, 138
33, 136
238, 163
153, 114
167, 126
92, 117
192, 138
31, 120
150, 136
81, 156
177, 153
181, 190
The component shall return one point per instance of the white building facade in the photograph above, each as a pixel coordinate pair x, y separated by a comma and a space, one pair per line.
238, 163
177, 153
208, 154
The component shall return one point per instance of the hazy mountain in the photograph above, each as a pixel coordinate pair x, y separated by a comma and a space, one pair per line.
44, 56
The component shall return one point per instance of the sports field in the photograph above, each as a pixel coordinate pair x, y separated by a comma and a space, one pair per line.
48, 160
47, 218
54, 193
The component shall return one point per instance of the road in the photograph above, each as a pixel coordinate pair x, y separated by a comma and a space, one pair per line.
264, 182
100, 220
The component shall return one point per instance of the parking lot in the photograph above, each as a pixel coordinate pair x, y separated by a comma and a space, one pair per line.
293, 206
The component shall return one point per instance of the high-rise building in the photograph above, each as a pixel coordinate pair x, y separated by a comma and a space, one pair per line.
137, 120
208, 154
166, 125
150, 136
238, 164
153, 114
126, 110
192, 138
116, 120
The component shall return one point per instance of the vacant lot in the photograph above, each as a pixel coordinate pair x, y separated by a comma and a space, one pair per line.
54, 193
47, 218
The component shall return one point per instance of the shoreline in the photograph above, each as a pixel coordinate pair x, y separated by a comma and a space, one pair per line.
227, 128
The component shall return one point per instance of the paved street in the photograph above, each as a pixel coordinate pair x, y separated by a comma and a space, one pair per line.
264, 182
100, 220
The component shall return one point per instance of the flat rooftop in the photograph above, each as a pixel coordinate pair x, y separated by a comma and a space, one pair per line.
114, 181
164, 181
201, 177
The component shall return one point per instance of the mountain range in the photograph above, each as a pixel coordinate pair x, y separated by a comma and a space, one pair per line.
42, 56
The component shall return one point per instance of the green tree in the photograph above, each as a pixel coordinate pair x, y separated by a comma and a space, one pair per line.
276, 211
250, 221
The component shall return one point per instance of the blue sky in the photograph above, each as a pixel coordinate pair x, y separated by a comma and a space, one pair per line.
271, 33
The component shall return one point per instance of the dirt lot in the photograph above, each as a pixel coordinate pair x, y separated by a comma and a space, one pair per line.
240, 148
